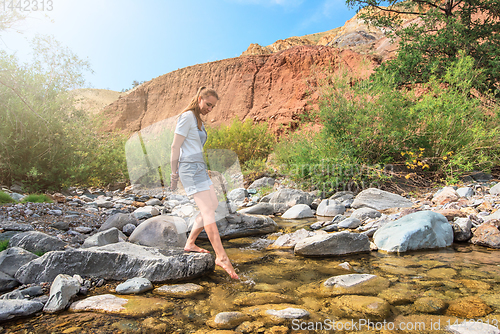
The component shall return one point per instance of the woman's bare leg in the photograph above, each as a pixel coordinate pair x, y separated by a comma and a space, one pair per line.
207, 203
195, 231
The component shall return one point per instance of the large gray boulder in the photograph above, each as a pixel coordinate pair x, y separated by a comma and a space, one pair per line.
11, 308
419, 230
330, 208
259, 209
13, 258
240, 225
62, 290
103, 238
262, 182
161, 231
119, 220
333, 244
118, 261
298, 211
365, 213
291, 197
379, 200
35, 241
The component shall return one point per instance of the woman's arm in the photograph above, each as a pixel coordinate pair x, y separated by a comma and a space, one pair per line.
175, 151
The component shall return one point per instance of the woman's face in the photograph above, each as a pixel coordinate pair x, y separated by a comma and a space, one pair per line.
207, 104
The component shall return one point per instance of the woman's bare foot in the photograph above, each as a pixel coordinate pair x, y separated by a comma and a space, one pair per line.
194, 248
227, 266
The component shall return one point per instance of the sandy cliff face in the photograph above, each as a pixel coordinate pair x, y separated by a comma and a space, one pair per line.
275, 88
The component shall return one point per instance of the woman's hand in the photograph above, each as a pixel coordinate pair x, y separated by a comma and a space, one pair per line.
174, 178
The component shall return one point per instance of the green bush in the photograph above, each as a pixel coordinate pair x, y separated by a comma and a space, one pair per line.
36, 198
367, 124
4, 244
44, 142
377, 123
5, 198
249, 141
315, 161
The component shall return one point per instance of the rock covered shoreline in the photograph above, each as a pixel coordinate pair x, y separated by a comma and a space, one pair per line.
84, 234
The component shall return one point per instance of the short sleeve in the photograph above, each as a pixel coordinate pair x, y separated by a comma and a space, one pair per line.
184, 123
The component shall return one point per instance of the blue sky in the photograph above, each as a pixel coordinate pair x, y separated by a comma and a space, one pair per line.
127, 40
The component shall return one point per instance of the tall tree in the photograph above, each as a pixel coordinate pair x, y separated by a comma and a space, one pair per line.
442, 32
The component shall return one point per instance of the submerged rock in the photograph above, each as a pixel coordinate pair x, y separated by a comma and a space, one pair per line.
131, 306
289, 313
180, 290
227, 320
355, 284
361, 307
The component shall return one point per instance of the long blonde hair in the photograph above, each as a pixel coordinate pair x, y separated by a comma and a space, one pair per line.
194, 104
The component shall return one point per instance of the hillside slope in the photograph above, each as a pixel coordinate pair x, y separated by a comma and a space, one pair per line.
276, 88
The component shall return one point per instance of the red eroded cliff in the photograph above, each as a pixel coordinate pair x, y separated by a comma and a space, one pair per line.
275, 88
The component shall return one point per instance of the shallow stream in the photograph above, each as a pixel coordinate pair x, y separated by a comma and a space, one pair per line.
449, 275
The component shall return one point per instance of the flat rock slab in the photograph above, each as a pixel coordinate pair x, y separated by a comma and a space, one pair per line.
379, 200
119, 261
133, 306
35, 241
11, 308
180, 290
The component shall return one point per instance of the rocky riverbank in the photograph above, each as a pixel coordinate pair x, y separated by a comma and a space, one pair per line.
68, 256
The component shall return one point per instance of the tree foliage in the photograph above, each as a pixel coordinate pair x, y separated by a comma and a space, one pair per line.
44, 141
444, 28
